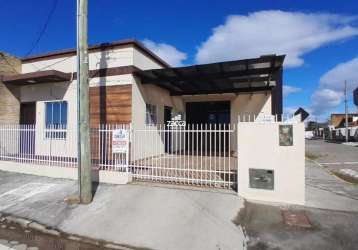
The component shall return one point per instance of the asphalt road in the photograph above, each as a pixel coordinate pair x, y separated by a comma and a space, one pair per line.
330, 153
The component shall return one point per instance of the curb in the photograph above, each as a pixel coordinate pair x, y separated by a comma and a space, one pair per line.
329, 172
30, 224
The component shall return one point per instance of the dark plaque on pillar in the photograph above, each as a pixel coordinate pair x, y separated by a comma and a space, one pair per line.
355, 96
286, 135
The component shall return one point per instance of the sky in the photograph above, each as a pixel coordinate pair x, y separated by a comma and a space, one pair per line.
319, 38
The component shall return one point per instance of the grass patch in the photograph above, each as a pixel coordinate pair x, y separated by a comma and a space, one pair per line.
345, 177
311, 156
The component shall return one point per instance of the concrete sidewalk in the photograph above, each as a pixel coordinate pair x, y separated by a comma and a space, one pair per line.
139, 216
326, 191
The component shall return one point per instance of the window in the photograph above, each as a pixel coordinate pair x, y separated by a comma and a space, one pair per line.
151, 114
56, 119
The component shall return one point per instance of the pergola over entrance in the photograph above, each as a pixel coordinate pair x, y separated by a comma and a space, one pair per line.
248, 75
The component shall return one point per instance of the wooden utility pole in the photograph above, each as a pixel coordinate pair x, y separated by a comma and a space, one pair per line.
84, 150
346, 109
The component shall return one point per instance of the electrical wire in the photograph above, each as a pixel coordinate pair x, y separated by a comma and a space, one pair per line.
43, 30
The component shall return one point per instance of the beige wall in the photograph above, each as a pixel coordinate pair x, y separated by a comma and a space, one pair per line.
42, 93
97, 60
258, 102
244, 103
151, 94
123, 56
258, 147
144, 62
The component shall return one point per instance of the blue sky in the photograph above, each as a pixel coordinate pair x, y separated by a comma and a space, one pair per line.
320, 38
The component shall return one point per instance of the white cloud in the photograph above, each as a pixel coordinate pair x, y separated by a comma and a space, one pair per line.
274, 32
325, 99
167, 52
347, 71
287, 90
289, 110
330, 93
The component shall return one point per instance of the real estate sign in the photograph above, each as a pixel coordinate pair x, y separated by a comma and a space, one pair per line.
120, 140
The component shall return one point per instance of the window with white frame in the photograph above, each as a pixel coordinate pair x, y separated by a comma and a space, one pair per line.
56, 119
151, 114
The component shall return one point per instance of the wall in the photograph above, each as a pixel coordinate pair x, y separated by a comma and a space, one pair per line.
141, 61
108, 58
42, 93
110, 96
102, 176
151, 94
9, 102
243, 103
258, 102
117, 57
258, 147
110, 104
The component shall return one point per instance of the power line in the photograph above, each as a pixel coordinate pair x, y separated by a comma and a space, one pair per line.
43, 30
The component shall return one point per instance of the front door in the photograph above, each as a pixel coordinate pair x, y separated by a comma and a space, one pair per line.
211, 115
27, 132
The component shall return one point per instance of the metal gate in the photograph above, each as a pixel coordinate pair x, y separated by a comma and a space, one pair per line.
197, 154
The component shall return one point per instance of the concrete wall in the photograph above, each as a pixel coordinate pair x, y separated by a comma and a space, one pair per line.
102, 176
258, 147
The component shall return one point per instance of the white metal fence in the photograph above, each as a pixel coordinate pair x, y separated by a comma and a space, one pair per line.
57, 146
338, 134
268, 118
197, 154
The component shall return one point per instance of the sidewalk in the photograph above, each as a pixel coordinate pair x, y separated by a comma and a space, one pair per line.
326, 191
138, 215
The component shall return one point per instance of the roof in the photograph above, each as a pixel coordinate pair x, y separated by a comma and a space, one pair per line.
97, 47
48, 76
256, 74
37, 77
343, 114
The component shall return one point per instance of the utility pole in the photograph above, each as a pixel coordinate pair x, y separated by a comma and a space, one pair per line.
346, 109
83, 135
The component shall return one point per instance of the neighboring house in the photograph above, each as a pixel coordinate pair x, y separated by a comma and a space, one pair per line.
130, 84
338, 120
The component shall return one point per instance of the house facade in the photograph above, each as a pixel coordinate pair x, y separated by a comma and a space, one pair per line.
130, 84
134, 91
